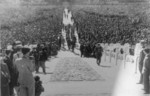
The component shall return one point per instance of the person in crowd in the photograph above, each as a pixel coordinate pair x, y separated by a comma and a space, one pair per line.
13, 72
93, 48
18, 53
5, 79
42, 59
38, 48
36, 59
38, 86
26, 80
98, 53
82, 49
87, 51
13, 51
50, 49
138, 47
68, 43
47, 48
146, 71
73, 43
141, 61
59, 41
62, 42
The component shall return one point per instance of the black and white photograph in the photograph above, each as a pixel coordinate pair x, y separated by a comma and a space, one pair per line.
75, 47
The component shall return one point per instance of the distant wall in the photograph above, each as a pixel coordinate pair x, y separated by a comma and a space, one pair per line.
95, 1
79, 2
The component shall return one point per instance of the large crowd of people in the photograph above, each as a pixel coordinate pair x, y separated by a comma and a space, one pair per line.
108, 28
91, 27
42, 28
45, 32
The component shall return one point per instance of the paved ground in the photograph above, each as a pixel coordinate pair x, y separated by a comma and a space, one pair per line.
119, 80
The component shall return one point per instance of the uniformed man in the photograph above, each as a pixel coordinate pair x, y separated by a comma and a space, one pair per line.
98, 53
146, 71
141, 61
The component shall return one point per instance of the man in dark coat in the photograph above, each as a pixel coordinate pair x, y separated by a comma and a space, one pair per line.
82, 49
86, 50
146, 71
36, 59
141, 61
68, 43
98, 53
13, 72
50, 49
73, 43
42, 58
59, 42
5, 79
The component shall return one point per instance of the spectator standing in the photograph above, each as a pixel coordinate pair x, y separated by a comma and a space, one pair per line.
73, 43
25, 79
82, 49
50, 48
146, 71
98, 53
36, 59
141, 61
138, 48
18, 54
13, 72
42, 59
5, 79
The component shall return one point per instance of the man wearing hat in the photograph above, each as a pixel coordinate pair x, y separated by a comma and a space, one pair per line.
25, 79
42, 58
18, 53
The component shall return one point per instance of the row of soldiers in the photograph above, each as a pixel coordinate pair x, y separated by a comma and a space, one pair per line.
144, 66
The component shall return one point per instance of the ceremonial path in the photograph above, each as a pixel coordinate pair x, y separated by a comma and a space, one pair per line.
115, 80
